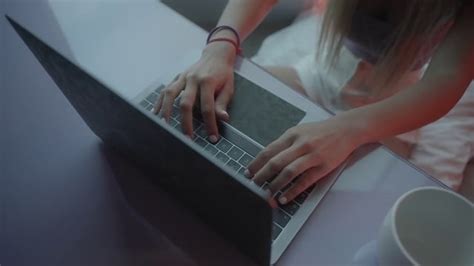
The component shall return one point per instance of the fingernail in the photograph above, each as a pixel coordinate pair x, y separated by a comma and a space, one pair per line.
152, 110
225, 114
213, 138
247, 173
283, 200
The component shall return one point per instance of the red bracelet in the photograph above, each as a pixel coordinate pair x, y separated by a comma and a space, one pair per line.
237, 48
236, 44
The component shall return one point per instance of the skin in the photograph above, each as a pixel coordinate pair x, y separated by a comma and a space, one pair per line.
211, 78
313, 150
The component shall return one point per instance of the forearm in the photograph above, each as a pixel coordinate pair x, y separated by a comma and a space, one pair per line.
443, 84
242, 15
408, 110
245, 15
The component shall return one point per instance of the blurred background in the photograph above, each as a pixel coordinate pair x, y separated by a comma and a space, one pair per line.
205, 13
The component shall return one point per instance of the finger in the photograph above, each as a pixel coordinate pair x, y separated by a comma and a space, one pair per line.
223, 100
208, 114
277, 163
266, 154
176, 78
293, 170
186, 104
306, 180
159, 102
169, 95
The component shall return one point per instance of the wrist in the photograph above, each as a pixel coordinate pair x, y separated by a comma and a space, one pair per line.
356, 127
222, 37
223, 50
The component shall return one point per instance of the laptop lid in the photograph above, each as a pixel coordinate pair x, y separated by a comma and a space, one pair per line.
236, 209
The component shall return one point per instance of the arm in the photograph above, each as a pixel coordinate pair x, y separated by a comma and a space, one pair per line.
211, 78
449, 74
245, 15
313, 150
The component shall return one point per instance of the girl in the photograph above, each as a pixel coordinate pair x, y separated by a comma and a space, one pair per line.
366, 68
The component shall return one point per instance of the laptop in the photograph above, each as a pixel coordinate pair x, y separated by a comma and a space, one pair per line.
207, 178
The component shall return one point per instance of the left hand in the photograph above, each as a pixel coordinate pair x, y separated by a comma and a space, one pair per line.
311, 150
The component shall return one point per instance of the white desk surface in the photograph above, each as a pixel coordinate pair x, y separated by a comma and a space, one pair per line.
131, 44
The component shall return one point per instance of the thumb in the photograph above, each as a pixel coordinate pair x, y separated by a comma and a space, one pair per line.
223, 100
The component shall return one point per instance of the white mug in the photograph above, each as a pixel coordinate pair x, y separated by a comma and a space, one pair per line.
428, 226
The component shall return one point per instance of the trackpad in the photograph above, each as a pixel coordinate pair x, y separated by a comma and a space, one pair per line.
260, 114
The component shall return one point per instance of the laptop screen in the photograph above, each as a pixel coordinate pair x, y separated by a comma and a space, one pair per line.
260, 114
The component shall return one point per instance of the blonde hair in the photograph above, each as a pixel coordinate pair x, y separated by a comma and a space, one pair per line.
421, 20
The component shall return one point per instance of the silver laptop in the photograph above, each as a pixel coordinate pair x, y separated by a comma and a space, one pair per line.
242, 212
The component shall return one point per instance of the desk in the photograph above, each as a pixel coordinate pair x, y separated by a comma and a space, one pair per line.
67, 200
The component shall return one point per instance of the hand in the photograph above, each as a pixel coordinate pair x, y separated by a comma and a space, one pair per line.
211, 80
311, 150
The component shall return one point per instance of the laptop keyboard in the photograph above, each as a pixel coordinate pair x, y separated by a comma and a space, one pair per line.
234, 157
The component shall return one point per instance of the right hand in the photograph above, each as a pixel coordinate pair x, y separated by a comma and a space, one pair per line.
210, 81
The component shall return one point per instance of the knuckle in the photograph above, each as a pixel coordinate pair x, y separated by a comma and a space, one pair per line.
265, 155
273, 166
191, 77
288, 172
299, 187
207, 111
207, 80
168, 92
185, 106
291, 134
316, 157
307, 146
305, 182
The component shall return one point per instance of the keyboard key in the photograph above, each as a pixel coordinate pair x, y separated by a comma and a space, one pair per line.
276, 230
196, 124
173, 122
178, 127
224, 145
179, 118
211, 149
175, 112
301, 198
149, 107
242, 171
277, 195
222, 157
280, 217
177, 100
285, 188
144, 103
235, 153
308, 190
201, 142
152, 98
234, 165
246, 160
159, 89
201, 132
290, 208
